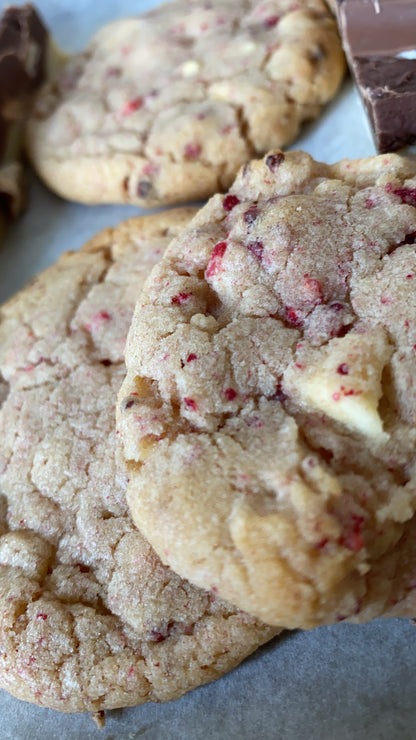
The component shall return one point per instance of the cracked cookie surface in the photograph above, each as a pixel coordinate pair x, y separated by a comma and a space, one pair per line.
268, 412
166, 107
90, 619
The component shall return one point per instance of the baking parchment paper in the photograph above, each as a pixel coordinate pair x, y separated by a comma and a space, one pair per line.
339, 683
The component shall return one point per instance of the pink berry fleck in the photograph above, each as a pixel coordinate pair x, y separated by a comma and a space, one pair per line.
230, 202
273, 161
192, 150
271, 21
256, 248
131, 106
181, 298
353, 541
190, 403
216, 258
343, 369
293, 316
406, 195
99, 318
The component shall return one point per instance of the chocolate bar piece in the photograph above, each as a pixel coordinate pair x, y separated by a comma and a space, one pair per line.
23, 67
379, 38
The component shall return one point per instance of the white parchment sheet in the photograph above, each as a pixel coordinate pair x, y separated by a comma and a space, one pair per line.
346, 682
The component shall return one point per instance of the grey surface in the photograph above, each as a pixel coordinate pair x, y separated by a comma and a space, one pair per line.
344, 682
337, 683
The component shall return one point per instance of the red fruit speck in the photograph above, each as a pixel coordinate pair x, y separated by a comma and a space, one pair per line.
250, 215
215, 259
279, 394
254, 421
192, 150
274, 160
230, 202
322, 543
406, 195
369, 203
97, 320
343, 369
191, 357
150, 169
271, 21
353, 541
181, 298
131, 106
256, 248
41, 615
230, 394
190, 403
293, 316
336, 396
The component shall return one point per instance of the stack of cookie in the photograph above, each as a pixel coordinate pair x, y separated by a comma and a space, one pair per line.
261, 474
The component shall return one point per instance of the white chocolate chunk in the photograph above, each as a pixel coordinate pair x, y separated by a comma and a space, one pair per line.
344, 380
190, 68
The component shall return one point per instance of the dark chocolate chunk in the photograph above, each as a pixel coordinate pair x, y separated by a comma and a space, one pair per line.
379, 38
23, 44
23, 66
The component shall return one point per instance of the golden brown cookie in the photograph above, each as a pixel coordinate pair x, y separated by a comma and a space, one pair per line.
268, 413
90, 619
165, 108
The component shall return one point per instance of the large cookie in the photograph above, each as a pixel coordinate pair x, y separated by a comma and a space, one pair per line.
269, 411
165, 108
90, 619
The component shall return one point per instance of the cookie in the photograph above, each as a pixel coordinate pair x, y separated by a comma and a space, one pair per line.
165, 108
90, 619
268, 416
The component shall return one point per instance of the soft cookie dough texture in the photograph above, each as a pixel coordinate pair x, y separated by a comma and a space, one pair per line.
165, 108
268, 415
90, 619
